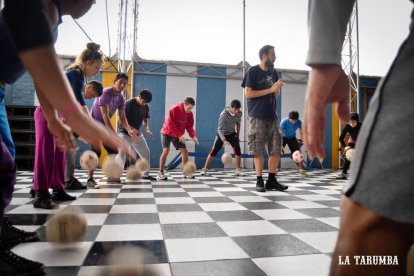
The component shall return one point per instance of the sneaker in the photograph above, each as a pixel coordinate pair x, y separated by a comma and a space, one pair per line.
239, 172
74, 184
203, 171
91, 184
303, 172
43, 200
260, 186
341, 176
161, 176
61, 195
32, 193
274, 185
113, 180
149, 177
12, 264
12, 236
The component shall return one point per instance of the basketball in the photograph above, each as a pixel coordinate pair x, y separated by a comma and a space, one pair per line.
226, 158
189, 168
89, 160
133, 173
349, 154
111, 167
66, 226
142, 165
297, 156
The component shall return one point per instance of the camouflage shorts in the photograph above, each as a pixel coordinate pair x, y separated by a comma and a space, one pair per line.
262, 135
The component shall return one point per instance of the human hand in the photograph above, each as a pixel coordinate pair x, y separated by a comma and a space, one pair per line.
327, 84
150, 134
195, 139
62, 135
182, 139
225, 143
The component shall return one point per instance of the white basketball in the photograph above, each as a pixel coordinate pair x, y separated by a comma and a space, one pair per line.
349, 154
297, 156
66, 226
133, 173
112, 167
226, 158
189, 168
142, 165
89, 160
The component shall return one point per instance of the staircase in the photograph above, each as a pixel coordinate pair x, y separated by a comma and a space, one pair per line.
22, 126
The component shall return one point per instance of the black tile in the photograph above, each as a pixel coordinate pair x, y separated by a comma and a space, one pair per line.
303, 225
330, 203
198, 189
143, 218
192, 230
123, 201
27, 219
262, 205
96, 195
241, 267
96, 208
234, 216
171, 194
155, 251
62, 270
138, 190
274, 246
212, 199
319, 212
178, 207
238, 193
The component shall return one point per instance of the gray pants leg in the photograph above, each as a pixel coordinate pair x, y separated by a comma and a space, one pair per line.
139, 145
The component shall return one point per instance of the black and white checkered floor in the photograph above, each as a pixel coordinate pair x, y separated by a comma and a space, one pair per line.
212, 225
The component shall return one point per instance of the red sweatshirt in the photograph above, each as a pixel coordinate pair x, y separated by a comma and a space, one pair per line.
178, 121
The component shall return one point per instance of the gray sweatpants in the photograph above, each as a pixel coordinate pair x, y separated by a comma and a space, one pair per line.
382, 170
139, 145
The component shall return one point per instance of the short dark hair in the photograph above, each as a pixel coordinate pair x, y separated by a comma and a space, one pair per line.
97, 86
146, 95
294, 115
354, 116
235, 104
189, 100
265, 50
121, 76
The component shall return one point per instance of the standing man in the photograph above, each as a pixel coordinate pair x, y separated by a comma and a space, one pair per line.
288, 127
261, 87
179, 119
137, 114
103, 109
377, 210
227, 134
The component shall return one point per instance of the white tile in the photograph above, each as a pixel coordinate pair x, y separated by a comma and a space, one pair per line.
309, 265
316, 197
195, 186
325, 192
183, 217
333, 221
250, 228
93, 201
174, 200
227, 206
168, 190
301, 204
162, 183
205, 249
52, 255
136, 195
20, 200
230, 189
103, 190
278, 214
205, 194
29, 209
130, 232
158, 269
249, 199
133, 208
96, 219
322, 241
136, 186
217, 182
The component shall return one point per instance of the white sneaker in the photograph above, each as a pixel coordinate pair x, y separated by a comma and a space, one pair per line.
239, 172
203, 171
161, 176
303, 172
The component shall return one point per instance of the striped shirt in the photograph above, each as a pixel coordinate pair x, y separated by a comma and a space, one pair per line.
227, 122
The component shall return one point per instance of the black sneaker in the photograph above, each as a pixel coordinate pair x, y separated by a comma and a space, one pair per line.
149, 177
11, 264
274, 185
12, 236
61, 195
74, 184
43, 200
260, 186
32, 193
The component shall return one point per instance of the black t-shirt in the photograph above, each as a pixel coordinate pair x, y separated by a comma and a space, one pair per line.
135, 114
76, 81
261, 107
353, 132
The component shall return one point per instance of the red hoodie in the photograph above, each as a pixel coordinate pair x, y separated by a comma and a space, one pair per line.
178, 121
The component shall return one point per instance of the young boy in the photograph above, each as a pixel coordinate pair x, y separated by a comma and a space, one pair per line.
227, 133
180, 118
137, 114
287, 129
103, 109
352, 127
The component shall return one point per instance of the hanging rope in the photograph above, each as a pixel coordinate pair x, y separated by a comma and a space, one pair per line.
107, 26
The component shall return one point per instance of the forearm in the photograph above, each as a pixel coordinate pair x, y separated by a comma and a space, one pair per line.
145, 123
47, 108
250, 93
108, 123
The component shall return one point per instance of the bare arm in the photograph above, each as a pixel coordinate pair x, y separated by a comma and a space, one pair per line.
275, 88
124, 122
145, 122
105, 116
